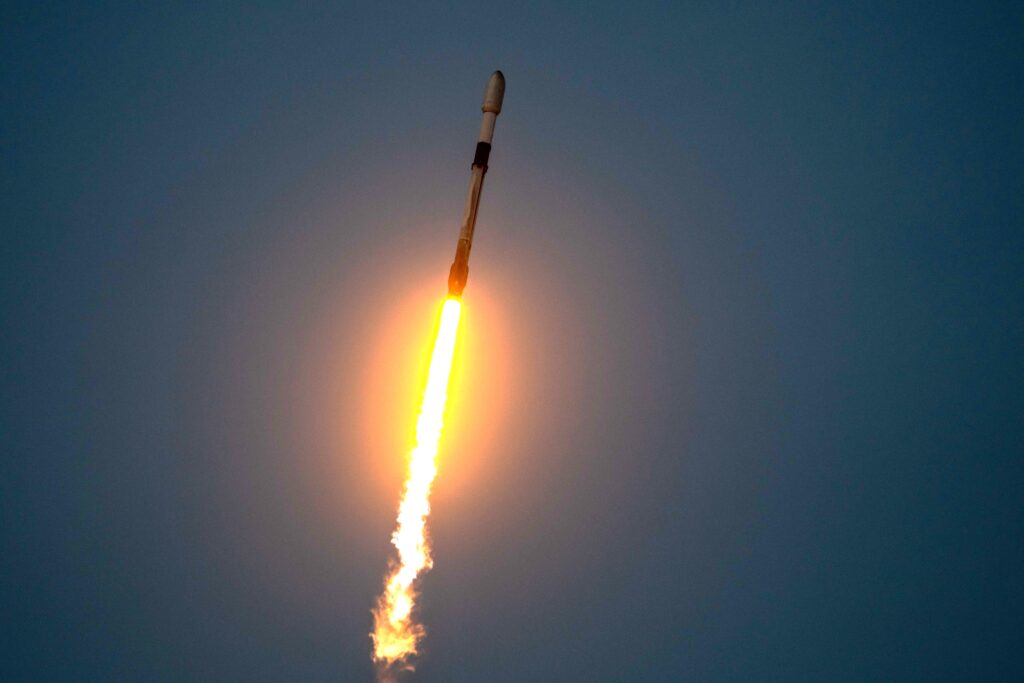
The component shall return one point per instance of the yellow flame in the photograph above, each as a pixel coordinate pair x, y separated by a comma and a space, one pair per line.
395, 634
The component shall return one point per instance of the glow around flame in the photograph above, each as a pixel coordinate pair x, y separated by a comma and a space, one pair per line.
395, 634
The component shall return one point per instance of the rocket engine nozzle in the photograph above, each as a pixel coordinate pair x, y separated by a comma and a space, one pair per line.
459, 272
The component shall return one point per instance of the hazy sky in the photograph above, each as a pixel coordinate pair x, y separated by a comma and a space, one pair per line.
738, 395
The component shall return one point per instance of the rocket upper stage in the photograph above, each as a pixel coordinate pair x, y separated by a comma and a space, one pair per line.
494, 94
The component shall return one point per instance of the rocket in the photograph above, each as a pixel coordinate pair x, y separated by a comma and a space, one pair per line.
493, 95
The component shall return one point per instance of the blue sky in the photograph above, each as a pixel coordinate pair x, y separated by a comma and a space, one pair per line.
739, 395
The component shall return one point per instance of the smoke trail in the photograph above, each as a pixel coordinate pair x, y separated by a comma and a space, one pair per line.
396, 634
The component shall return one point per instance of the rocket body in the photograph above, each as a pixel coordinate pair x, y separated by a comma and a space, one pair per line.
493, 96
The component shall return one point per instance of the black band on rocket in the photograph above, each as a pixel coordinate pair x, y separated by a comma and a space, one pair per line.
483, 151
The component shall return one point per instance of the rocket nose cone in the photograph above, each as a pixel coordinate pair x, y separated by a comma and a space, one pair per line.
494, 93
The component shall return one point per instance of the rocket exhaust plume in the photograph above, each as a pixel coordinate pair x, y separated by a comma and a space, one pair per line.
395, 632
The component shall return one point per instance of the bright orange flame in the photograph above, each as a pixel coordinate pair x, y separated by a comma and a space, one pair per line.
395, 634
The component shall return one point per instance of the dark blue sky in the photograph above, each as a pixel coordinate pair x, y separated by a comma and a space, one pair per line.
740, 395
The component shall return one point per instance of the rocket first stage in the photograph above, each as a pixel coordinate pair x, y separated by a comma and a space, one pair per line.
493, 96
